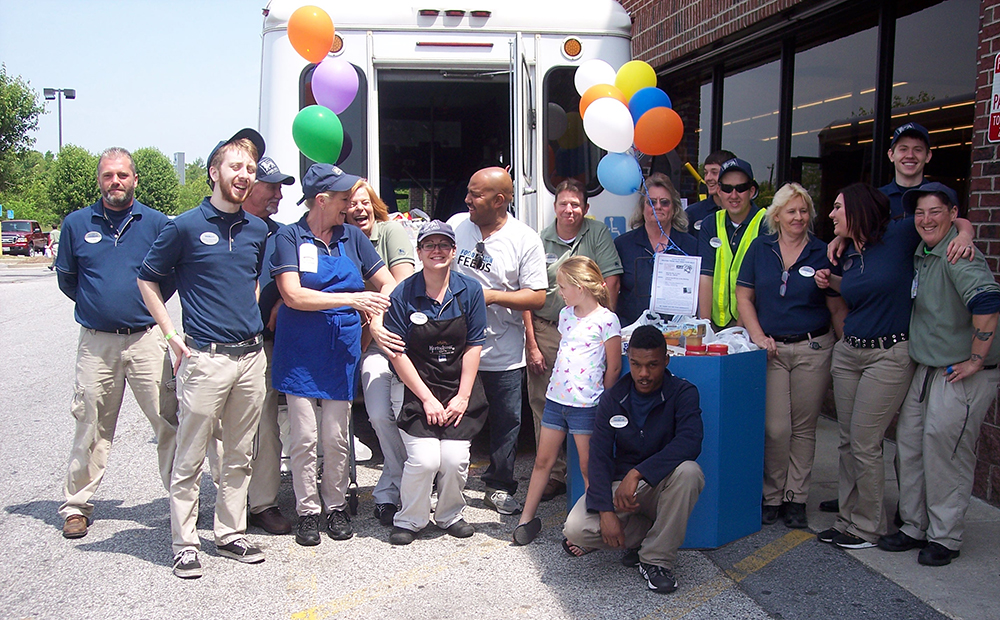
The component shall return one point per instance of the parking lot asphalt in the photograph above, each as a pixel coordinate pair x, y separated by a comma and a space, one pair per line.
121, 569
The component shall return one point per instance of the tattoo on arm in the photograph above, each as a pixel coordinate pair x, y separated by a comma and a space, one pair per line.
975, 357
984, 336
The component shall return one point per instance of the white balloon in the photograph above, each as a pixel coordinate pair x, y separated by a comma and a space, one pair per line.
608, 124
591, 73
557, 121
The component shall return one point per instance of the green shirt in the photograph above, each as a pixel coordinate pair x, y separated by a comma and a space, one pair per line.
594, 241
941, 328
392, 244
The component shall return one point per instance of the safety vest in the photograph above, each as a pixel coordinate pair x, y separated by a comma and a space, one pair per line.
727, 269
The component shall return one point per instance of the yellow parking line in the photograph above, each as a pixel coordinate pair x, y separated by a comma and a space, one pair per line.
767, 554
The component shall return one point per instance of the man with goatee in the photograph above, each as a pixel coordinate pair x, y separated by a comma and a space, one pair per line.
216, 251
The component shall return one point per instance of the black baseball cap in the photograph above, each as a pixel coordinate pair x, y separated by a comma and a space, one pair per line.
911, 196
914, 131
436, 227
325, 178
268, 172
249, 134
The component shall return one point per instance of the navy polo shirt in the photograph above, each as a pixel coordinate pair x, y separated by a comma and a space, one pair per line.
700, 210
357, 247
97, 267
464, 296
895, 193
636, 255
732, 233
803, 309
217, 259
269, 294
876, 284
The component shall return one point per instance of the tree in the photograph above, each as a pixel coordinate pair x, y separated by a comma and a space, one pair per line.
29, 196
19, 112
158, 186
195, 188
73, 182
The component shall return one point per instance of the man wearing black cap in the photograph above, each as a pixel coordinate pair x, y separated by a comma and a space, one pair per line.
216, 251
266, 478
909, 152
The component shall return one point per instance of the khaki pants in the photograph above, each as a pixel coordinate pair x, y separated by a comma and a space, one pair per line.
657, 529
427, 459
797, 380
868, 385
266, 479
104, 362
333, 431
547, 337
936, 443
214, 389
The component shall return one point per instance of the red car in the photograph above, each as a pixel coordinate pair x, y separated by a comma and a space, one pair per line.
23, 237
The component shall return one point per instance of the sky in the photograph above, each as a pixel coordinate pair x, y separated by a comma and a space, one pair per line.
178, 75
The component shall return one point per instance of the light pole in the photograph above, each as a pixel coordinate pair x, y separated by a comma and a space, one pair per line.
50, 94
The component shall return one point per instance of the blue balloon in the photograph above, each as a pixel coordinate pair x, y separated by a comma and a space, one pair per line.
645, 99
620, 174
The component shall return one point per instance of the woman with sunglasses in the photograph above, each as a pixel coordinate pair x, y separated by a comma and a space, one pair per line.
787, 314
382, 389
871, 366
659, 225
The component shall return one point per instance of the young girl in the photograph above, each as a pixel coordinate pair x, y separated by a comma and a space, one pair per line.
589, 361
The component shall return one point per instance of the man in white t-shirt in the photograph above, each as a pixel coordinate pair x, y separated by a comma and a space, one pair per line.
506, 257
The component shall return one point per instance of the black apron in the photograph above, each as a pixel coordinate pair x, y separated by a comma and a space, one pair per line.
436, 349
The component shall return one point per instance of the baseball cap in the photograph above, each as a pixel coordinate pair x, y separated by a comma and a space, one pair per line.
249, 134
911, 129
737, 164
436, 227
321, 178
911, 196
268, 172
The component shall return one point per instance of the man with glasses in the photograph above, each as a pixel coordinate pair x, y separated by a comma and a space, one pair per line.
724, 240
506, 257
700, 210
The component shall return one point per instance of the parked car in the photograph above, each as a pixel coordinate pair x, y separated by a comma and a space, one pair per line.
23, 237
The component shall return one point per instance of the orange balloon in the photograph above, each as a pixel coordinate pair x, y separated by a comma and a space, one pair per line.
599, 91
658, 131
310, 31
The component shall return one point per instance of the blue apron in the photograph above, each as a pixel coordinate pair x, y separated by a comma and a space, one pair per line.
316, 352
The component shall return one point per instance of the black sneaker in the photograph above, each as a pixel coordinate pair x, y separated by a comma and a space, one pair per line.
460, 529
658, 578
827, 536
631, 558
769, 514
242, 551
850, 541
900, 541
338, 525
384, 513
186, 564
936, 554
401, 536
307, 531
794, 515
830, 505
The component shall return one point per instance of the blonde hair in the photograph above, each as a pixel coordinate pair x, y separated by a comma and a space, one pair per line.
583, 272
679, 220
380, 208
781, 199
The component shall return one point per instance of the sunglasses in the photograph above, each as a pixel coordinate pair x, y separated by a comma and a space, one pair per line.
477, 261
742, 187
444, 246
663, 202
784, 284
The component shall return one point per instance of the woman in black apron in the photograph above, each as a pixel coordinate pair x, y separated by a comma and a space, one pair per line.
442, 317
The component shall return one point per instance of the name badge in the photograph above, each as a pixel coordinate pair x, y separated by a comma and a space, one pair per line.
209, 238
715, 242
697, 225
618, 421
93, 237
806, 271
418, 318
550, 258
308, 258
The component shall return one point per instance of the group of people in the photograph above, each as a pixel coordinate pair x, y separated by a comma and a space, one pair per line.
441, 347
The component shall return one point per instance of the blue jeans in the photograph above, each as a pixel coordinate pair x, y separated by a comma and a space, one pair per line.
503, 392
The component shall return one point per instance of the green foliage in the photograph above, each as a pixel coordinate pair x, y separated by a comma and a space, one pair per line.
19, 112
765, 195
195, 188
158, 186
29, 195
73, 181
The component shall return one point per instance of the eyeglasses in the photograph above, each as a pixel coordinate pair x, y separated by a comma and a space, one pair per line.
663, 202
477, 261
742, 187
444, 246
784, 283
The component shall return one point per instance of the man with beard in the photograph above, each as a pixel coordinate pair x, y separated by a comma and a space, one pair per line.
102, 248
216, 251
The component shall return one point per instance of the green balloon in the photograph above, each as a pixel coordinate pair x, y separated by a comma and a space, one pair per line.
318, 133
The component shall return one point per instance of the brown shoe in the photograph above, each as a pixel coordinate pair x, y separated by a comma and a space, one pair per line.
75, 526
553, 488
271, 521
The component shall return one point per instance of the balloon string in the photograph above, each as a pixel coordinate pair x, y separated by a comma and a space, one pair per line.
645, 193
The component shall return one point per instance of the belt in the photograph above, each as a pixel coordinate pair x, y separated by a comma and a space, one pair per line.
128, 331
801, 337
238, 348
882, 342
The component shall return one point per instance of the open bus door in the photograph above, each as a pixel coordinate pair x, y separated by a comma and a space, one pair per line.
523, 123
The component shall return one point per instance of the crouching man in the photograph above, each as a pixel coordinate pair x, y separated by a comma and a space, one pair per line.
644, 481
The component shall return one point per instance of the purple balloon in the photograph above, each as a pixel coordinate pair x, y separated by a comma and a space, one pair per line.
335, 84
345, 150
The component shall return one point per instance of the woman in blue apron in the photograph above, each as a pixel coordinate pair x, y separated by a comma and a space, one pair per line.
320, 266
441, 316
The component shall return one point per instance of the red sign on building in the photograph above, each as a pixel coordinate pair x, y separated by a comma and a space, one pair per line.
994, 133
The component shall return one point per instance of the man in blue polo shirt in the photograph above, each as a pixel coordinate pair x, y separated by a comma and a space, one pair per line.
102, 248
909, 152
216, 251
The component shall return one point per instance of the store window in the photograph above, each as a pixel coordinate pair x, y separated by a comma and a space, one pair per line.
750, 121
705, 125
568, 152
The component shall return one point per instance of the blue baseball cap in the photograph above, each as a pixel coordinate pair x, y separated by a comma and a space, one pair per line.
325, 178
249, 134
737, 164
911, 196
436, 227
914, 131
268, 172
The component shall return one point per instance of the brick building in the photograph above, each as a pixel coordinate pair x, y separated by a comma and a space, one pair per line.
810, 90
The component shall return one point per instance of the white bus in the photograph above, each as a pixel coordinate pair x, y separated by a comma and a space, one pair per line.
445, 91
